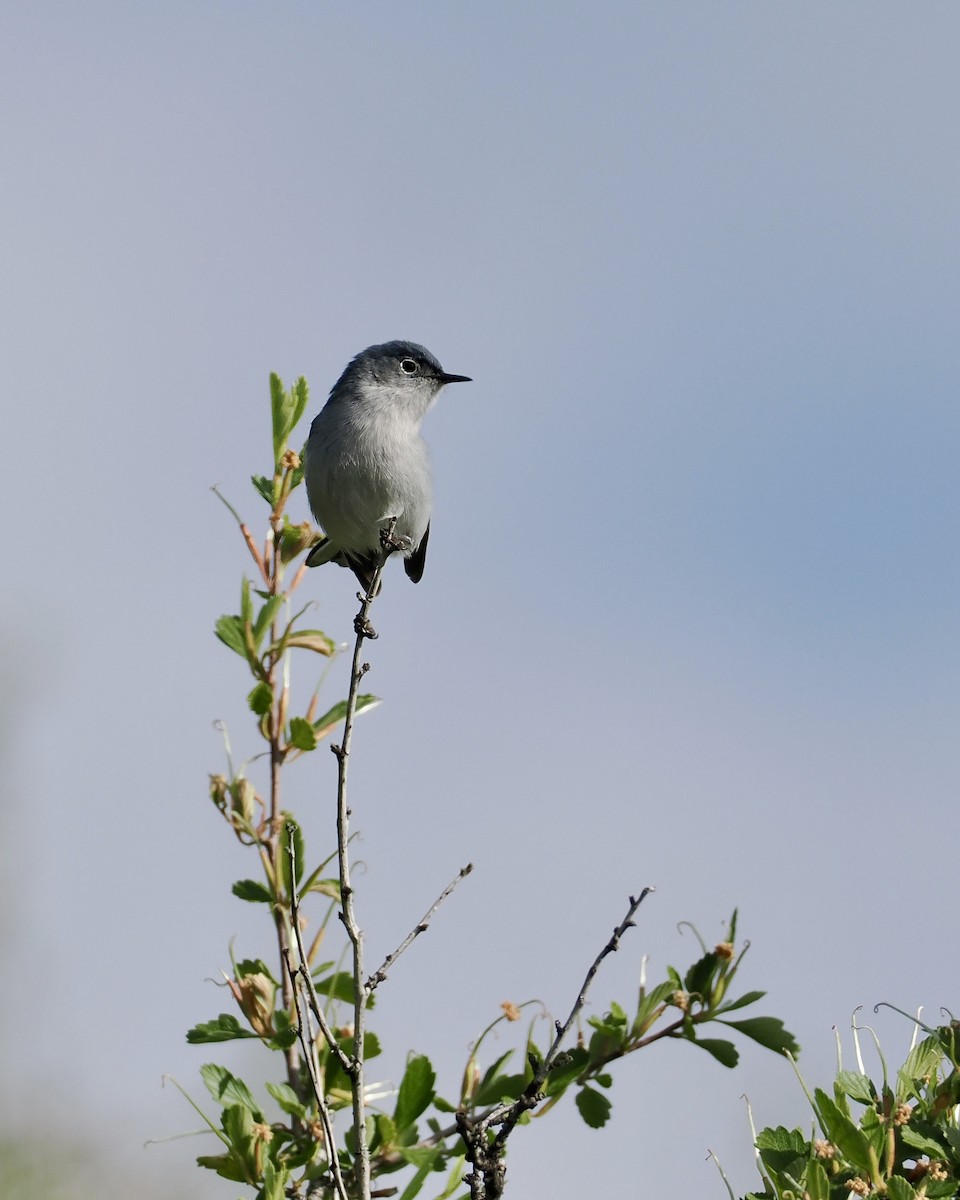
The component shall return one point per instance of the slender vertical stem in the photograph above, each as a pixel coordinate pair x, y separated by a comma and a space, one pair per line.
274, 571
348, 912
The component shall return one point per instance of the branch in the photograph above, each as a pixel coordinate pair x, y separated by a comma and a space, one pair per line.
303, 970
347, 913
486, 1180
305, 1033
421, 927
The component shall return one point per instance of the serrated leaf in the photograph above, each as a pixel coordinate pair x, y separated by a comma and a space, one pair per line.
252, 890
254, 966
767, 1031
226, 1088
594, 1107
840, 1130
226, 1028
300, 394
857, 1086
282, 1039
264, 487
416, 1091
280, 410
697, 979
782, 1150
920, 1141
260, 699
922, 1060
783, 1140
302, 734
286, 1097
723, 1051
899, 1188
230, 631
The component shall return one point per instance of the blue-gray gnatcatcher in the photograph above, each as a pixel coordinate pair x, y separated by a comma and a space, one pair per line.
366, 462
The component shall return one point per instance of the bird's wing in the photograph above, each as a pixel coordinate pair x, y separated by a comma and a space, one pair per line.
414, 564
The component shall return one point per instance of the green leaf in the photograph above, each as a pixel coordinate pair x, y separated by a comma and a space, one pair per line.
920, 1141
264, 487
250, 889
226, 1088
561, 1077
274, 1181
723, 1052
286, 1097
302, 734
697, 979
416, 1091
325, 887
423, 1170
899, 1189
254, 966
312, 639
230, 631
649, 1007
260, 699
227, 1166
338, 986
921, 1062
502, 1087
767, 1031
747, 998
265, 618
856, 1086
816, 1183
782, 1150
300, 395
842, 1132
281, 408
226, 1028
282, 1039
330, 718
292, 833
594, 1107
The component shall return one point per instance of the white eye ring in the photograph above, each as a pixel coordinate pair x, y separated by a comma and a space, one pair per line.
409, 366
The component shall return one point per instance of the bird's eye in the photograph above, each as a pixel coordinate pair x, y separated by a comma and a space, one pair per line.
409, 366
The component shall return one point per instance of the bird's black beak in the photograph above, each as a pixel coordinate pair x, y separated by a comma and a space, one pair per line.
445, 378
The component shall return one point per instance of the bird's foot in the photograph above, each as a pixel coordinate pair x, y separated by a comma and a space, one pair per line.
363, 628
395, 541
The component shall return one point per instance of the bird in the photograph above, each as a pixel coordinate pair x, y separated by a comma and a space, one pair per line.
366, 464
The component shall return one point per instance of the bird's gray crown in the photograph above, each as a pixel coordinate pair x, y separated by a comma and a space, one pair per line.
397, 363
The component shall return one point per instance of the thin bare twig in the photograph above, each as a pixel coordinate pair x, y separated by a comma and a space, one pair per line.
486, 1180
306, 1036
347, 912
421, 927
303, 970
246, 534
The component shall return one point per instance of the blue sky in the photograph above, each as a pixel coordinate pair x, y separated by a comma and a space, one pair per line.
691, 609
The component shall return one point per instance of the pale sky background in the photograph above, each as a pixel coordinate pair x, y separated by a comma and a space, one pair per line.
691, 607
